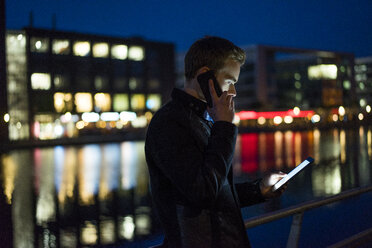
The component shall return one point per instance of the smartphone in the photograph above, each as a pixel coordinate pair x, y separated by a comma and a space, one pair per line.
203, 80
293, 172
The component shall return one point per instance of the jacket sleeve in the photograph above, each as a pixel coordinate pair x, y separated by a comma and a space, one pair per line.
198, 175
249, 193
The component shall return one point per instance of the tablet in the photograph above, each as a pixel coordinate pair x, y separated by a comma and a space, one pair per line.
291, 174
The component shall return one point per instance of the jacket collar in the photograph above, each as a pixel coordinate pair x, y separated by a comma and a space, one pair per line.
190, 102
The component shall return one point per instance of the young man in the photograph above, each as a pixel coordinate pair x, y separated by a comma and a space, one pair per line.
189, 158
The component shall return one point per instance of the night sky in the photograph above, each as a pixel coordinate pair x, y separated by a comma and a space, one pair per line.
337, 25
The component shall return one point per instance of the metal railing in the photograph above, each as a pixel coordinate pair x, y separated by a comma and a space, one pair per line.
298, 211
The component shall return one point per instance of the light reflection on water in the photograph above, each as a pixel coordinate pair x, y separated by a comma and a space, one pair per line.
78, 196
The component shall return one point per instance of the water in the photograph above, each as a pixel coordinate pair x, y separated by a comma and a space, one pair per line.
97, 194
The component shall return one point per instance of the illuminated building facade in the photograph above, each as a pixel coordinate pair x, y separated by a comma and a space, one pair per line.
275, 78
64, 84
363, 78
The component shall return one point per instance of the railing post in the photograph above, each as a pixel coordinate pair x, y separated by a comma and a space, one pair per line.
294, 234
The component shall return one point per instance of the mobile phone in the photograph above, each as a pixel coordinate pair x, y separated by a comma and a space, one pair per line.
203, 80
293, 172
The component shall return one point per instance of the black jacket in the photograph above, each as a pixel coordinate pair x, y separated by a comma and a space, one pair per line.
189, 161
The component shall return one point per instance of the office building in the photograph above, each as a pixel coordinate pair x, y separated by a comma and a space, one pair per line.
363, 78
66, 84
278, 78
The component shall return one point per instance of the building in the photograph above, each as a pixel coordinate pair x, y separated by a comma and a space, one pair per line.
363, 78
278, 78
65, 84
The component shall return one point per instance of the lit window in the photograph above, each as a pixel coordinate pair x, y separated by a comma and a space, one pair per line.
102, 101
100, 50
347, 85
39, 45
136, 53
119, 52
83, 102
61, 47
40, 81
322, 72
63, 102
120, 102
137, 101
81, 48
153, 101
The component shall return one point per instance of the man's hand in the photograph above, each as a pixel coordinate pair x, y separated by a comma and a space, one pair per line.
268, 182
223, 107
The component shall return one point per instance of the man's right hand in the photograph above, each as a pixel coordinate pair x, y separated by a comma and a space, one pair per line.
223, 107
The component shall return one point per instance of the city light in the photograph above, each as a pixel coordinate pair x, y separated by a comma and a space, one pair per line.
110, 116
360, 116
140, 122
100, 50
6, 117
341, 111
315, 118
119, 52
81, 48
261, 120
253, 115
136, 53
288, 119
127, 116
368, 108
90, 117
296, 110
322, 72
278, 120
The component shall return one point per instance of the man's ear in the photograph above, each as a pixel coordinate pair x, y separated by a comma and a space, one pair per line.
202, 70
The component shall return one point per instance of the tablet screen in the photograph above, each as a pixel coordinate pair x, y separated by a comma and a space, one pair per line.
291, 174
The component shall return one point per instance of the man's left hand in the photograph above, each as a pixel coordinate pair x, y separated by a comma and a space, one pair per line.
268, 182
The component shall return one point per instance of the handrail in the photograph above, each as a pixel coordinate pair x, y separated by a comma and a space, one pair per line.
265, 218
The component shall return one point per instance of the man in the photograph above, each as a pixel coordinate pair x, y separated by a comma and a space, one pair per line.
189, 158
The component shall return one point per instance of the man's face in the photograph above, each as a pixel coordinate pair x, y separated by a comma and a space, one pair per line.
228, 75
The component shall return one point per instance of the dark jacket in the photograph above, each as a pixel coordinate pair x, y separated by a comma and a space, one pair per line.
189, 161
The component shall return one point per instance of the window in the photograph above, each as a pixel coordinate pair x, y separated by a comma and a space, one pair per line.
100, 50
61, 47
120, 83
322, 72
153, 84
40, 81
83, 81
61, 81
82, 48
102, 102
83, 102
119, 52
136, 53
137, 101
63, 102
153, 101
120, 102
101, 82
135, 83
39, 45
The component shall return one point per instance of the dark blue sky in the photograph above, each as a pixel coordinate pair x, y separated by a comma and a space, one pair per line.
339, 25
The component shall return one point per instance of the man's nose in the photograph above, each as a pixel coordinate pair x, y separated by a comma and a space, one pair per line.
231, 90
